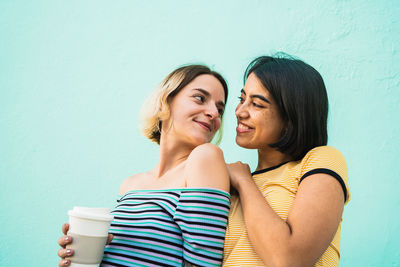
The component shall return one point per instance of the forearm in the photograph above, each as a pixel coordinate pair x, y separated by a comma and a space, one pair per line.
310, 226
270, 236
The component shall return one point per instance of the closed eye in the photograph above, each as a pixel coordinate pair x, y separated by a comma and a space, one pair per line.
257, 105
241, 100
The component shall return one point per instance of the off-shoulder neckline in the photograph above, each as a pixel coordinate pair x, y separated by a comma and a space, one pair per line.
177, 189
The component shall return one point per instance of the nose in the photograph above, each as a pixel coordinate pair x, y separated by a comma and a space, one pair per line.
212, 111
241, 111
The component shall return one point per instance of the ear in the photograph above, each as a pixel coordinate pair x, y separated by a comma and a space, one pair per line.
159, 125
285, 130
171, 122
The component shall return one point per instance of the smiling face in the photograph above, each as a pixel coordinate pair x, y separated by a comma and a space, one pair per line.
258, 118
196, 112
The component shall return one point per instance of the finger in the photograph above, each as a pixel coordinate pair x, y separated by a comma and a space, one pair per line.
63, 262
110, 237
62, 253
65, 228
64, 240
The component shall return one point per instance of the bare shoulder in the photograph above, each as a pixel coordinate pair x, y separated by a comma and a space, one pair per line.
206, 167
132, 182
206, 152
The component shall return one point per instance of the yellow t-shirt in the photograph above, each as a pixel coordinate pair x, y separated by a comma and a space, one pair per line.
279, 186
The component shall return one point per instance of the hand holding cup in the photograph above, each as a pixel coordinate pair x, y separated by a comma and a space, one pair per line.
84, 237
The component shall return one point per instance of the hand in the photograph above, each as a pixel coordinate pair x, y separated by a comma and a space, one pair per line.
63, 252
238, 172
65, 240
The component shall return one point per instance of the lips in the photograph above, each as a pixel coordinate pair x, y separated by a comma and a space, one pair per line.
205, 125
243, 128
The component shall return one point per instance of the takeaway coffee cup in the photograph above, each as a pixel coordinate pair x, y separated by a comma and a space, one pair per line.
89, 230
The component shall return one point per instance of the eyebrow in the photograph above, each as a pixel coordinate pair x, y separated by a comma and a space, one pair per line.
257, 96
219, 103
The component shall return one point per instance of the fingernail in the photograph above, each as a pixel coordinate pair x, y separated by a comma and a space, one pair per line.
68, 251
67, 238
66, 261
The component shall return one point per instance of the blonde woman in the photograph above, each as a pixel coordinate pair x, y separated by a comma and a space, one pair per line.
175, 213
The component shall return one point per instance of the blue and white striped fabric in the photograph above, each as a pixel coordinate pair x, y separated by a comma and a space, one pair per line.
168, 228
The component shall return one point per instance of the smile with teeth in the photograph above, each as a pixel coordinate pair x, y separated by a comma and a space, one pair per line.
242, 128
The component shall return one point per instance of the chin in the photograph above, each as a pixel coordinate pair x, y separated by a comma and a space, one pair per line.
242, 143
246, 143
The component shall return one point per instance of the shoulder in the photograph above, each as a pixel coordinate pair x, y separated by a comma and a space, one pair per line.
131, 182
324, 157
206, 167
326, 160
206, 152
206, 159
325, 151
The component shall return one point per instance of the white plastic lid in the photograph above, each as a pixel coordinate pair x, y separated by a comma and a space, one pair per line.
100, 214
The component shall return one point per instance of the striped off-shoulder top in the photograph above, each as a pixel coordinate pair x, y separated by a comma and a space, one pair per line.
168, 228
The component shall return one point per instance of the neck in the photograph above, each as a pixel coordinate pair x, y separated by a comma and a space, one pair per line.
270, 157
171, 155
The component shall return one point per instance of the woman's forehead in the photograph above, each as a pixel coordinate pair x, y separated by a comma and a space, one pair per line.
253, 84
207, 84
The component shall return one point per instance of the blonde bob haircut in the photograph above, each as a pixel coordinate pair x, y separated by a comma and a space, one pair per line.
157, 107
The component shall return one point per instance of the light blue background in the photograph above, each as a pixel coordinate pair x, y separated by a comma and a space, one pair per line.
73, 76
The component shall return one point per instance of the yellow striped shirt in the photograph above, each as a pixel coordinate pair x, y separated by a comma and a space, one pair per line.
279, 186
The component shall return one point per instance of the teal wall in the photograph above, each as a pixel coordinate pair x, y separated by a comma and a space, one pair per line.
73, 75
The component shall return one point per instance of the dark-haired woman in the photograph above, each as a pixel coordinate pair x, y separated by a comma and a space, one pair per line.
288, 212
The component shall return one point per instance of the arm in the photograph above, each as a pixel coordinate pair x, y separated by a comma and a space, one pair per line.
311, 225
206, 167
203, 214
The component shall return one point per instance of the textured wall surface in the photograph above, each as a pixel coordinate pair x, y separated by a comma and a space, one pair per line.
73, 75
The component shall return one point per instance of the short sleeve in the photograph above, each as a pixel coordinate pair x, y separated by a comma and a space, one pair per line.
328, 160
202, 216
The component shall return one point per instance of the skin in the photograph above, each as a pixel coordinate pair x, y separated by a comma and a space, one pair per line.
196, 113
310, 227
259, 123
317, 209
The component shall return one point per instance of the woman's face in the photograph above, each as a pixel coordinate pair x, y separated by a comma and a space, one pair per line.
196, 111
258, 120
